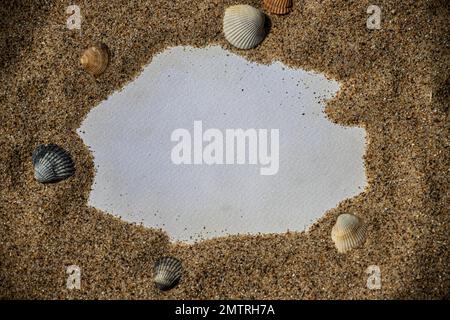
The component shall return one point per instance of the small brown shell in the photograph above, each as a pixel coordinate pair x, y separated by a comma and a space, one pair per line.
95, 59
278, 6
349, 232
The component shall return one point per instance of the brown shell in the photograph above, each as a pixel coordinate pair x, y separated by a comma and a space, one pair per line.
95, 59
278, 6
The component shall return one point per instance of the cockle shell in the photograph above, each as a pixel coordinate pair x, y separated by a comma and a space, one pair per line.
349, 232
52, 164
243, 26
168, 272
95, 59
278, 6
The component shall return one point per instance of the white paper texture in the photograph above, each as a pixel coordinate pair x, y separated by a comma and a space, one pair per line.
320, 163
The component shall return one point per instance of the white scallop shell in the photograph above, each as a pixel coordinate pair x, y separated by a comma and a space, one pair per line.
52, 164
349, 232
168, 272
243, 26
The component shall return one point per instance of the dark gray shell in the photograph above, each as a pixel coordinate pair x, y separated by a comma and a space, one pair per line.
168, 272
52, 164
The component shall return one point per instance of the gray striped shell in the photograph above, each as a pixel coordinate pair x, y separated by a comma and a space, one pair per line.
52, 164
168, 272
243, 26
349, 232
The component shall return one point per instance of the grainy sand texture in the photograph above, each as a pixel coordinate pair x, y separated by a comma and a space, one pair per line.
394, 84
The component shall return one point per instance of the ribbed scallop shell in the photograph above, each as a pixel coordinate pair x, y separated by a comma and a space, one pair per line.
168, 272
95, 59
52, 163
243, 26
278, 6
349, 232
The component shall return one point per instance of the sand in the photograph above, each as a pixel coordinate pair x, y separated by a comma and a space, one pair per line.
394, 85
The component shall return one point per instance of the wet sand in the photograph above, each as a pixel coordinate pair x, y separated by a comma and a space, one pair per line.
394, 84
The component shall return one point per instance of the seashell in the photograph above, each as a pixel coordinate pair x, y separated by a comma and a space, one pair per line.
95, 59
168, 272
52, 164
243, 26
278, 6
349, 232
